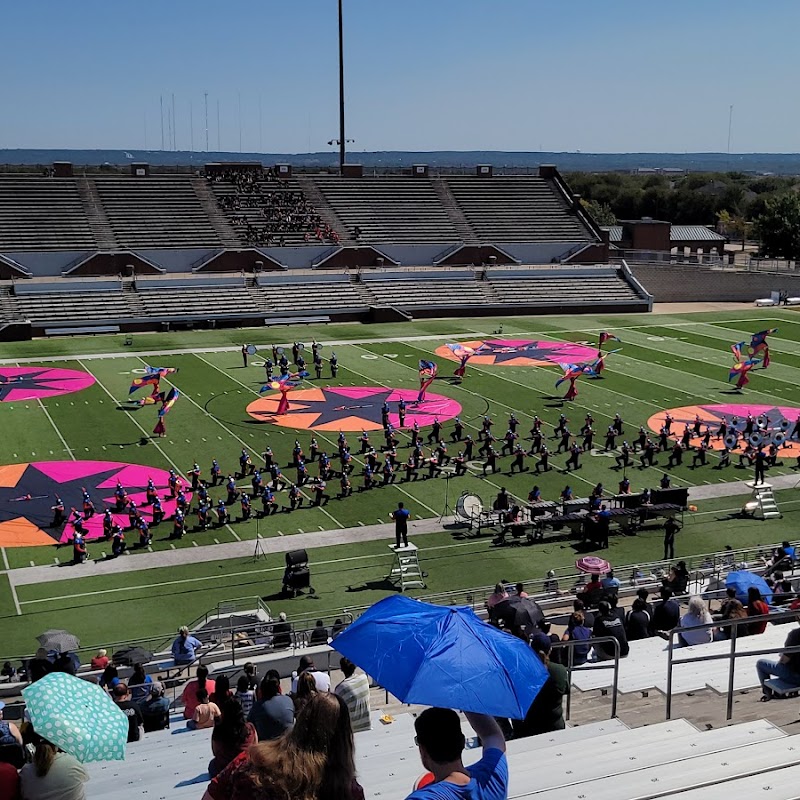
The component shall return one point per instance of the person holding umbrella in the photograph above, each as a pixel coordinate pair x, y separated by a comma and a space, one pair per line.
441, 746
52, 773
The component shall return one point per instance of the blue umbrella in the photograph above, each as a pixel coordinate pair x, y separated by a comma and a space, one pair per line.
742, 581
77, 716
443, 656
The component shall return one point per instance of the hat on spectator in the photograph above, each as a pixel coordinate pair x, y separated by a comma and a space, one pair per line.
540, 643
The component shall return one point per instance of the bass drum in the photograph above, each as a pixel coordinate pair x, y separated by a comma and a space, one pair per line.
731, 440
251, 349
469, 506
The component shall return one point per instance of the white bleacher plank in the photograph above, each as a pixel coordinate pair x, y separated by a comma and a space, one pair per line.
646, 666
392, 777
578, 733
679, 776
776, 784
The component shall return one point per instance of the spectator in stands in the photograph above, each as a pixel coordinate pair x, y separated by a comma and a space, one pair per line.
189, 696
786, 668
52, 774
99, 661
281, 632
733, 611
678, 578
315, 759
577, 631
354, 690
696, 615
338, 627
610, 583
618, 612
273, 713
592, 591
39, 666
65, 662
306, 688
231, 736
222, 690
546, 713
319, 635
206, 713
606, 623
497, 596
9, 672
110, 677
321, 679
667, 614
756, 607
520, 589
637, 621
11, 751
441, 746
250, 671
244, 694
139, 677
588, 617
726, 605
155, 710
122, 697
643, 594
185, 647
784, 594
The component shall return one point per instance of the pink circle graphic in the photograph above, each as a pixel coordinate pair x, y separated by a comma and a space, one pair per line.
352, 408
28, 493
37, 383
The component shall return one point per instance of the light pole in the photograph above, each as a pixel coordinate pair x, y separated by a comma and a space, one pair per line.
342, 139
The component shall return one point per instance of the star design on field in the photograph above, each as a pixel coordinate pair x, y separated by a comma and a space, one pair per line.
553, 352
32, 381
34, 495
337, 407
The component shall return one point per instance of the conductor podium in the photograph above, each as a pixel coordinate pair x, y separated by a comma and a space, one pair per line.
297, 575
405, 568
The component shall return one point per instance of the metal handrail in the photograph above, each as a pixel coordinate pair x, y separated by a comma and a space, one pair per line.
570, 645
731, 656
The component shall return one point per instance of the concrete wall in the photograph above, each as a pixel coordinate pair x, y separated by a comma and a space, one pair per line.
686, 284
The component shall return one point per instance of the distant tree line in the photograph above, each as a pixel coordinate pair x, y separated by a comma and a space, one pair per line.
741, 206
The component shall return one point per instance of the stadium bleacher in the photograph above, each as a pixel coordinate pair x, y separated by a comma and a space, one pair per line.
388, 208
405, 290
38, 213
516, 208
157, 211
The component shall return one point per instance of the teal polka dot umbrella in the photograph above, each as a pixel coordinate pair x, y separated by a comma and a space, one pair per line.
77, 716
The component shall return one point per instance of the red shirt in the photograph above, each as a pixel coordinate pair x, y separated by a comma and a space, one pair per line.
756, 609
9, 782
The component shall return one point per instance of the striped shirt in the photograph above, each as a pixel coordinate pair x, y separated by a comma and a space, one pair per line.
355, 693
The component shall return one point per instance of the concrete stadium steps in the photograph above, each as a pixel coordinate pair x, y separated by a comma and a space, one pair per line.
407, 293
516, 209
38, 213
221, 189
645, 667
388, 209
155, 212
73, 307
544, 289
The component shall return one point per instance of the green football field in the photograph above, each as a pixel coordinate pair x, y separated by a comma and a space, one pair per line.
665, 362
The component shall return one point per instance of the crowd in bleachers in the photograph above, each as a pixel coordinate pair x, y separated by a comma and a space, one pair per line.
279, 209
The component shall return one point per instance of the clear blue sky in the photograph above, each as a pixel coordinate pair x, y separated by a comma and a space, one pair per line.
620, 75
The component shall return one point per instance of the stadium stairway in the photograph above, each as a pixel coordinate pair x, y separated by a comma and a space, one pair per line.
466, 233
96, 215
321, 205
219, 221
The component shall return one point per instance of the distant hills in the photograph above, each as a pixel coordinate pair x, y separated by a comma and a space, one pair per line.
757, 163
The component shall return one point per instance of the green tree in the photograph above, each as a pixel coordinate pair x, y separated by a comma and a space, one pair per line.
601, 212
734, 226
778, 227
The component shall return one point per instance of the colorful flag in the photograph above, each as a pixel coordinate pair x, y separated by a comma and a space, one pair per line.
605, 336
737, 350
161, 371
741, 368
148, 380
169, 401
427, 374
760, 338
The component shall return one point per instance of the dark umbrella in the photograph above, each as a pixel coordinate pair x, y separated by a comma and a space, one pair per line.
128, 656
59, 641
521, 612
